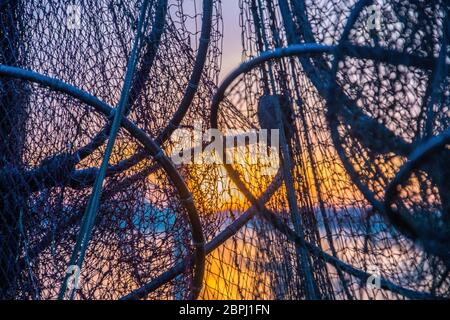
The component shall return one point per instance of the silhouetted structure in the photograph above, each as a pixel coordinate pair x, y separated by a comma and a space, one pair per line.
364, 179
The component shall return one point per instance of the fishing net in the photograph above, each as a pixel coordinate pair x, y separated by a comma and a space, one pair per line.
356, 190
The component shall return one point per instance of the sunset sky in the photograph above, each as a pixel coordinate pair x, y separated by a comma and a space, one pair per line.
232, 48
